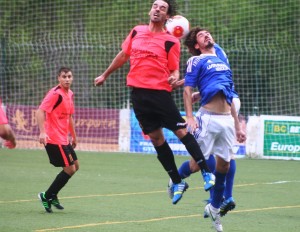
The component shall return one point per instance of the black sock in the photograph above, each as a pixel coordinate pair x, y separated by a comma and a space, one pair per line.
60, 181
166, 158
193, 148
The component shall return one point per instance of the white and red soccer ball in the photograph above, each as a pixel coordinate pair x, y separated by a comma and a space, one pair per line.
178, 26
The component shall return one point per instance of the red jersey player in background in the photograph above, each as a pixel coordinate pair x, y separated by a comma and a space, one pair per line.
6, 132
55, 121
154, 70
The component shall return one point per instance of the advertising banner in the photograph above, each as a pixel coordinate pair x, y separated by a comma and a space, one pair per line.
281, 137
96, 129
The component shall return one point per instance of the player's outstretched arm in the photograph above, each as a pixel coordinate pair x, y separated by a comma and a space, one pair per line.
117, 62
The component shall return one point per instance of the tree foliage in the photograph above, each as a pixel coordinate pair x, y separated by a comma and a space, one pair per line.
261, 38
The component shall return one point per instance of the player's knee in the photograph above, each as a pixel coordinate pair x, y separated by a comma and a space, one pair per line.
70, 170
76, 165
194, 167
157, 138
222, 166
180, 133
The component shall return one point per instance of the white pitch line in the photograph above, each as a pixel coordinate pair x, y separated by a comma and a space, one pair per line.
284, 182
149, 220
143, 193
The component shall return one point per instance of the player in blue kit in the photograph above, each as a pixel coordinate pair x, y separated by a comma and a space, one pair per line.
189, 167
216, 122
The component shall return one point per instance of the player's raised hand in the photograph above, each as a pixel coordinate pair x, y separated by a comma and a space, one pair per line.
99, 80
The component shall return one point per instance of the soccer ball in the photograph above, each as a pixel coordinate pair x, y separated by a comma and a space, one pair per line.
178, 26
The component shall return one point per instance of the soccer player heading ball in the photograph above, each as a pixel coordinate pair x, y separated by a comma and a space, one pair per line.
154, 70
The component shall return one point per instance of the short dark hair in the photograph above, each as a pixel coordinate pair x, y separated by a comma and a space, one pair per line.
63, 70
191, 40
172, 10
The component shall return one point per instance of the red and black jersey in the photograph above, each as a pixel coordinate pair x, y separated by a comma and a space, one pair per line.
59, 106
152, 57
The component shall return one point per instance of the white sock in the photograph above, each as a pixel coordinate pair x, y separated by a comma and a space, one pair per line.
213, 209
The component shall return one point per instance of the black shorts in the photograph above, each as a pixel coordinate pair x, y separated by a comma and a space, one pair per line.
155, 109
61, 155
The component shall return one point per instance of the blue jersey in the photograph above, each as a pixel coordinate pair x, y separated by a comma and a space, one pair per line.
222, 55
210, 75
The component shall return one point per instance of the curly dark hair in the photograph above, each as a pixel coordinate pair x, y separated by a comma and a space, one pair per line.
191, 40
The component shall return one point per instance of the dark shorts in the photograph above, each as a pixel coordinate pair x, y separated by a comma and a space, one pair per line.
61, 155
155, 109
